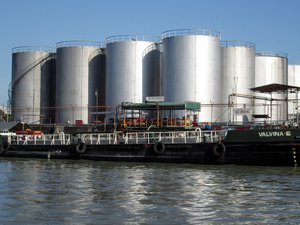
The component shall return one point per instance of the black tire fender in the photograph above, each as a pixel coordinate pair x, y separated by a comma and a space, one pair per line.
159, 147
219, 149
81, 148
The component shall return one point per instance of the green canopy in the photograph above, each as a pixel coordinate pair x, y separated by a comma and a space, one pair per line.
194, 106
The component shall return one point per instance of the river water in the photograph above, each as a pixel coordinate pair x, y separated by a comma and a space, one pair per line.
34, 191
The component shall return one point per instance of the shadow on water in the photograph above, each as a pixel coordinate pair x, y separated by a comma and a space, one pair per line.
86, 192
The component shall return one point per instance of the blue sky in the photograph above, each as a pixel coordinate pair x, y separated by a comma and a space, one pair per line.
273, 25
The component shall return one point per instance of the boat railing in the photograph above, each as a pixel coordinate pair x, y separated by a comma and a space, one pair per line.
173, 137
45, 139
99, 138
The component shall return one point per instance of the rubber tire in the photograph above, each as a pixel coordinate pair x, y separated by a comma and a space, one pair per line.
219, 149
159, 147
81, 148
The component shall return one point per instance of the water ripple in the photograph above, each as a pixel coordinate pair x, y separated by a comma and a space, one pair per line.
86, 192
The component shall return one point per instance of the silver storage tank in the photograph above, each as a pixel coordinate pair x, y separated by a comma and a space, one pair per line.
53, 88
271, 68
30, 85
152, 71
237, 77
76, 70
97, 71
293, 80
124, 69
191, 69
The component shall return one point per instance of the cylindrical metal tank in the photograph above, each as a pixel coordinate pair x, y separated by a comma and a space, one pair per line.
78, 81
191, 69
97, 74
293, 80
124, 69
271, 68
152, 71
237, 77
32, 73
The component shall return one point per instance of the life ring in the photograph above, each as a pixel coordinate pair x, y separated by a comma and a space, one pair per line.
4, 147
159, 147
219, 149
81, 147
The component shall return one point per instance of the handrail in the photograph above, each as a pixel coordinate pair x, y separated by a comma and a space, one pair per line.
32, 49
154, 46
76, 43
99, 51
196, 136
272, 54
234, 43
45, 139
121, 38
172, 137
186, 32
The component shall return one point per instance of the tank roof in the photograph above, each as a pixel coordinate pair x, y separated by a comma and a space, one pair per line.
76, 43
235, 43
154, 46
121, 38
272, 54
187, 32
32, 49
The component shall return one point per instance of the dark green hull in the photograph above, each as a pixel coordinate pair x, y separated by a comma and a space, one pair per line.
196, 153
271, 147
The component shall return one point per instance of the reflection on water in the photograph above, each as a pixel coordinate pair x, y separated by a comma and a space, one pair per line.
88, 192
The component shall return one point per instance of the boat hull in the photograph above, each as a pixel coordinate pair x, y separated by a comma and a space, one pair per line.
266, 147
198, 153
263, 154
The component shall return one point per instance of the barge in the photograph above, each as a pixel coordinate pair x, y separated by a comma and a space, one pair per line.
267, 147
173, 147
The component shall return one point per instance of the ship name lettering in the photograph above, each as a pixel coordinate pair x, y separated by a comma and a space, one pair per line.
274, 134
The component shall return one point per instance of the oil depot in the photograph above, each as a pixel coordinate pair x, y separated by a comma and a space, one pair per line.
84, 81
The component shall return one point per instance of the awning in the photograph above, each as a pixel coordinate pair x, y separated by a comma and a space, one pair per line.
194, 106
279, 88
13, 126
